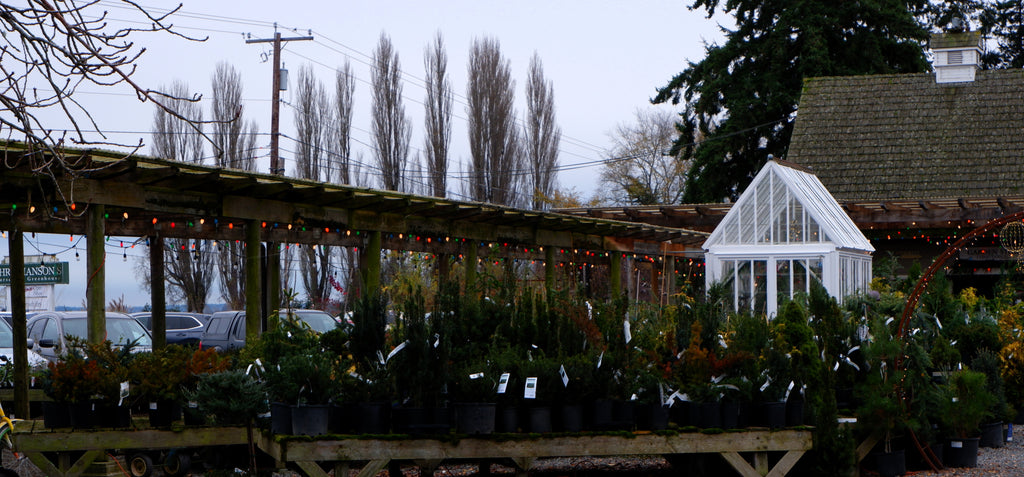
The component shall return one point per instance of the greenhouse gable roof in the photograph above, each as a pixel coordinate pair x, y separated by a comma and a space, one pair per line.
787, 205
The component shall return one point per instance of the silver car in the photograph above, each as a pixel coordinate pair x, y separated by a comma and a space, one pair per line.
49, 331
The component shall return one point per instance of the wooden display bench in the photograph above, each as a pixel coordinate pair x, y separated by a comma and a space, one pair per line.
68, 453
309, 455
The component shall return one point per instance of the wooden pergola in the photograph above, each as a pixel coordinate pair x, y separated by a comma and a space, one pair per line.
102, 193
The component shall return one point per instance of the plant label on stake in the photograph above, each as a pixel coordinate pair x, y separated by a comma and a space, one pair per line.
565, 377
503, 383
395, 351
625, 331
530, 391
599, 359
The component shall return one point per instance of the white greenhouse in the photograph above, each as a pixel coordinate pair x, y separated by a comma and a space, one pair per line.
788, 224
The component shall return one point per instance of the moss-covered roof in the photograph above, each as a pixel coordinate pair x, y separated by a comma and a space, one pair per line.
885, 137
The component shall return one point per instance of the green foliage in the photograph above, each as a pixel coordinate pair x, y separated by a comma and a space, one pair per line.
966, 402
368, 334
230, 397
740, 98
420, 368
159, 375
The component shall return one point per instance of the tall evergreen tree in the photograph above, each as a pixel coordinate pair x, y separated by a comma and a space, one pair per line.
1007, 28
742, 97
541, 134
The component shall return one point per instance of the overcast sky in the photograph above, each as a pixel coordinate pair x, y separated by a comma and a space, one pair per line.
604, 58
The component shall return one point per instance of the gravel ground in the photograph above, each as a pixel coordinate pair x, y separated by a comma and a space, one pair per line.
1004, 461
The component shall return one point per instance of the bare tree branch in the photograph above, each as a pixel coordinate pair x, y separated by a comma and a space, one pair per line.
542, 134
438, 112
48, 50
495, 173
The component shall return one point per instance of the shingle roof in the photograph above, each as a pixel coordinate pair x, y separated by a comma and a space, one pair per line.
903, 136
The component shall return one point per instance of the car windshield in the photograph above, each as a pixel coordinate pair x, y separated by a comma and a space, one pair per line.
6, 335
318, 321
120, 331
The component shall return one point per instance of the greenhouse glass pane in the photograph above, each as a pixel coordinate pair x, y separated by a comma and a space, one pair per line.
743, 285
814, 269
783, 269
760, 285
799, 276
797, 230
763, 213
780, 219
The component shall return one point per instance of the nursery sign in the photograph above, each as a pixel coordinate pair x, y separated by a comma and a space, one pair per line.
52, 273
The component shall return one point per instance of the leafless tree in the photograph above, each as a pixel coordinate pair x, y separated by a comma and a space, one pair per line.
639, 169
392, 129
542, 134
237, 145
234, 137
438, 115
189, 264
48, 50
313, 115
345, 88
496, 167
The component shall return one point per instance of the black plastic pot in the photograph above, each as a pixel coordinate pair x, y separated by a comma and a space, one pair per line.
421, 420
56, 415
507, 418
891, 464
280, 418
475, 418
539, 419
961, 452
795, 412
373, 418
706, 415
771, 415
82, 415
118, 417
730, 415
992, 435
569, 418
623, 417
310, 420
162, 413
679, 413
651, 416
601, 415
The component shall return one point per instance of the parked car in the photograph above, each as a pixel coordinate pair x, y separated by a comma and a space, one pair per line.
49, 331
182, 328
8, 316
7, 347
226, 329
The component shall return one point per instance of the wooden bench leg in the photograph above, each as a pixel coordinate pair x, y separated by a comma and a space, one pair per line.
372, 467
760, 467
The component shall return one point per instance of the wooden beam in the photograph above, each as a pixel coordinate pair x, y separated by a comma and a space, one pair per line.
95, 287
157, 291
253, 273
16, 252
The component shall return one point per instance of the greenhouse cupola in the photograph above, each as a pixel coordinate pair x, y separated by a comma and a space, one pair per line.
784, 233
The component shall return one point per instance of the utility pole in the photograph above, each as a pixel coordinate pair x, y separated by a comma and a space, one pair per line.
272, 281
275, 106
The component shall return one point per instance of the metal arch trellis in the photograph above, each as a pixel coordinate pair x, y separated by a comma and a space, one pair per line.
940, 263
922, 285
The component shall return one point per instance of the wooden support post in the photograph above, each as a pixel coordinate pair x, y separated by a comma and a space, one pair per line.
95, 286
444, 267
369, 265
470, 264
549, 268
157, 290
253, 317
655, 283
16, 248
614, 274
273, 290
669, 275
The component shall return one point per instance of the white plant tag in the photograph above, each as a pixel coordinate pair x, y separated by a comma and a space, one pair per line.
625, 331
398, 348
530, 391
152, 406
956, 444
124, 393
476, 375
565, 377
599, 359
503, 383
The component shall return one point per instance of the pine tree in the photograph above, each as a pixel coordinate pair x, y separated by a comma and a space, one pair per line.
741, 99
